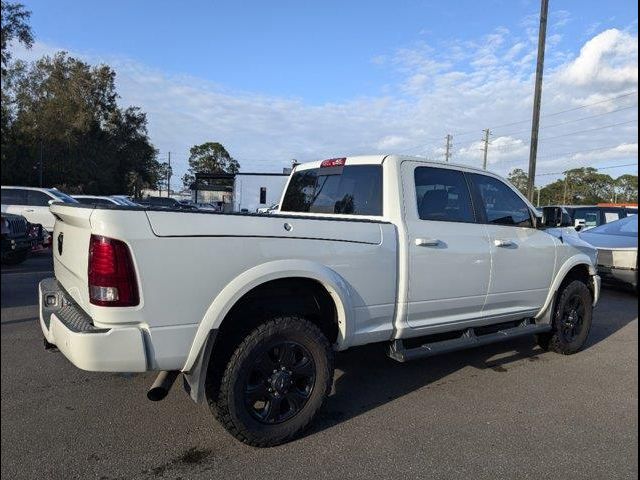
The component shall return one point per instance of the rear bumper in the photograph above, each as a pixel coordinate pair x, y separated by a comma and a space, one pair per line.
65, 325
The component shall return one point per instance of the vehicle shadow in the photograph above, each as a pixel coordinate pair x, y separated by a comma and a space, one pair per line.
366, 378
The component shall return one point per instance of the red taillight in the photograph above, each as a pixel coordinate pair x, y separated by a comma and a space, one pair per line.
333, 162
112, 279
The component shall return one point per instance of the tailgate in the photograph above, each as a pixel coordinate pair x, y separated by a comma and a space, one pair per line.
70, 248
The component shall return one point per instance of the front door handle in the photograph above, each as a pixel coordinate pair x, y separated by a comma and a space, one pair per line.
503, 243
427, 242
29, 210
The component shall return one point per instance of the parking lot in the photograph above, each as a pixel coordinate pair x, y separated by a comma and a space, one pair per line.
502, 411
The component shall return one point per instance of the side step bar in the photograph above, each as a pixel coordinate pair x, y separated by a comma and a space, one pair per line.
467, 339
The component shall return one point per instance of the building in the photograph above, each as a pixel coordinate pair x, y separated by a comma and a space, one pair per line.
240, 192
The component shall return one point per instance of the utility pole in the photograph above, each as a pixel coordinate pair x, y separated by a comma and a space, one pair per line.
486, 147
447, 153
538, 202
537, 97
169, 177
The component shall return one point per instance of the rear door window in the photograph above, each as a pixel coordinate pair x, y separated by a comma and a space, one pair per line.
14, 196
351, 190
443, 195
498, 203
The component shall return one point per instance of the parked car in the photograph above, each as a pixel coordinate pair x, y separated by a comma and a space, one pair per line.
268, 210
96, 200
208, 206
164, 202
617, 244
585, 217
18, 237
443, 257
126, 200
33, 203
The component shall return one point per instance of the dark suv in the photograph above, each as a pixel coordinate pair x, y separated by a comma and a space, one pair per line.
588, 216
18, 238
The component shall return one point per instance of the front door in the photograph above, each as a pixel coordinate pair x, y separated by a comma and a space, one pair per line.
523, 257
449, 255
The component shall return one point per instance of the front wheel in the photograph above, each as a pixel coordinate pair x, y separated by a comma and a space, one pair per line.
275, 382
572, 319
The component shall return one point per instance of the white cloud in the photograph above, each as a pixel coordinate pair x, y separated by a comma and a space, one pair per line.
458, 87
604, 60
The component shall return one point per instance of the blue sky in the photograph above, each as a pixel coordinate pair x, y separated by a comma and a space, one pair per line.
279, 80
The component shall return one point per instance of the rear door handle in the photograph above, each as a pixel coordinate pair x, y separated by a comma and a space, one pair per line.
427, 242
503, 243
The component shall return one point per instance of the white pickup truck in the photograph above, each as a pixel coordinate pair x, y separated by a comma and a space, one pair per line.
428, 257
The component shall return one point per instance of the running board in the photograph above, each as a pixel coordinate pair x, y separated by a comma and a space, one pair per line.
468, 339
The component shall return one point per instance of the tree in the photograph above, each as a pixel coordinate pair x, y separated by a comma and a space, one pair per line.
14, 27
211, 157
519, 179
64, 111
626, 187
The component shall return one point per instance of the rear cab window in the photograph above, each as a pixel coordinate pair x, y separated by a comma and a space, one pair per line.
337, 188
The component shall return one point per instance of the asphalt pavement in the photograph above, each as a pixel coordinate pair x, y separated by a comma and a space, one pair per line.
502, 411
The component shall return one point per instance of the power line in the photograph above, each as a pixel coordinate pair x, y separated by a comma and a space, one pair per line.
598, 168
566, 122
635, 92
468, 132
543, 139
558, 155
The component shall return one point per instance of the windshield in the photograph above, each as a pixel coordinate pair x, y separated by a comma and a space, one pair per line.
63, 197
626, 227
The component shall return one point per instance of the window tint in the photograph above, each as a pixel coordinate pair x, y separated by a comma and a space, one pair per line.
354, 190
38, 199
443, 195
502, 206
14, 196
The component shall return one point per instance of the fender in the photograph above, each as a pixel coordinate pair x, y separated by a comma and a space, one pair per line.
279, 269
578, 259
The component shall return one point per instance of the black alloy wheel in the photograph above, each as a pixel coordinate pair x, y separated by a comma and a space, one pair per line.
280, 382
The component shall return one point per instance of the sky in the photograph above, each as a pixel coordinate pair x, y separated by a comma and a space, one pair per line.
282, 80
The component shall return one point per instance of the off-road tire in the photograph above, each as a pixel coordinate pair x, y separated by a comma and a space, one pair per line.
229, 406
556, 340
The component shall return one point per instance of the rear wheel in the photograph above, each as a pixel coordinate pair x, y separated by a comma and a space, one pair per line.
275, 382
571, 320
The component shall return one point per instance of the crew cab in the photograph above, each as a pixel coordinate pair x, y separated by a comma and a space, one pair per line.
428, 257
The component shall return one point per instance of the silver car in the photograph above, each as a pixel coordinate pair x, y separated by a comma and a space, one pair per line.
617, 244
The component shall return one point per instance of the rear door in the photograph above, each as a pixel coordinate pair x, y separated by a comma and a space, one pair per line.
523, 258
449, 253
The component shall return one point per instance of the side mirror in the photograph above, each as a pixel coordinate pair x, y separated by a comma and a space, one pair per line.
556, 217
50, 202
